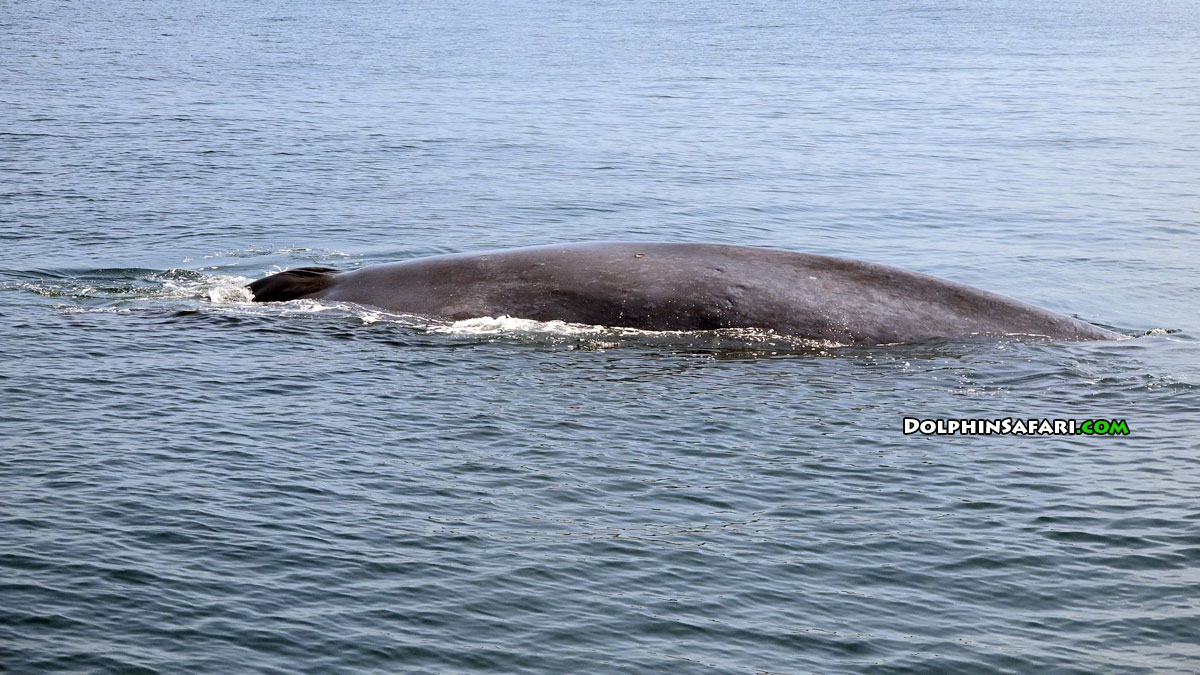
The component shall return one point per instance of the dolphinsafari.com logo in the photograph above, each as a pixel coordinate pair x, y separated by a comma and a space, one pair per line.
1015, 426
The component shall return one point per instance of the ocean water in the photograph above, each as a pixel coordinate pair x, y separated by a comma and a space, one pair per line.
192, 483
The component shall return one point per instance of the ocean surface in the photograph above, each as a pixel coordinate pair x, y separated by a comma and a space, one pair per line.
190, 483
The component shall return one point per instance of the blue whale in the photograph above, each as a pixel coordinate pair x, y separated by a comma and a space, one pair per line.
684, 287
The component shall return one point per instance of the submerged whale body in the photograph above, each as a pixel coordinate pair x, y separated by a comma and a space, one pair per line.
684, 287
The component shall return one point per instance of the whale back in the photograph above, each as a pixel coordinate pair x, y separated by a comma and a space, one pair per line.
301, 282
684, 287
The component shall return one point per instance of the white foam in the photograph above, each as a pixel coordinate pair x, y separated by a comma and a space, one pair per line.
500, 325
76, 309
216, 288
613, 336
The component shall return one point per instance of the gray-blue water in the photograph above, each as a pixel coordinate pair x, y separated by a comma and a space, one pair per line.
190, 483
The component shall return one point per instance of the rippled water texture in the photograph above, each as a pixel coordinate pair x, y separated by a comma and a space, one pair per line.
192, 483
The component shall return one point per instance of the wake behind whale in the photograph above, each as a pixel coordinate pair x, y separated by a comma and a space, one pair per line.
684, 287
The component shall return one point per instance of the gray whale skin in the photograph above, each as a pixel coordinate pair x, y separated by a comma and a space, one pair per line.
684, 287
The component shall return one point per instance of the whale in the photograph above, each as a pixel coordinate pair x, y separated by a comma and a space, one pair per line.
684, 287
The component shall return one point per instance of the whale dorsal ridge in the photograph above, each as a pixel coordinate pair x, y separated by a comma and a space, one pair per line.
301, 282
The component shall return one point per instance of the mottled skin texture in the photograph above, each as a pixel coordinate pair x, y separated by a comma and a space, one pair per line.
697, 287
